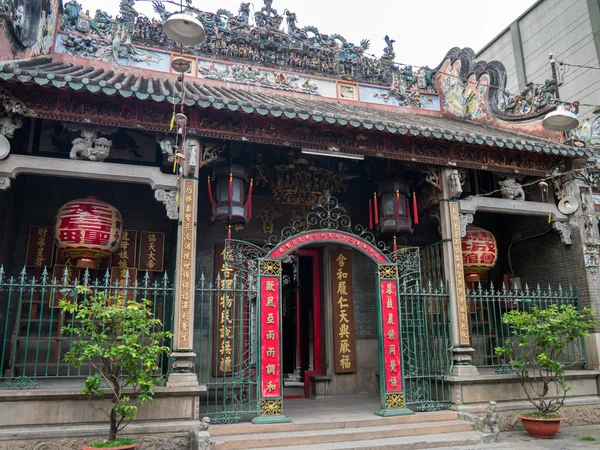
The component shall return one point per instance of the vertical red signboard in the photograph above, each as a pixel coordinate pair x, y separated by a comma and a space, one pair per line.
270, 337
391, 336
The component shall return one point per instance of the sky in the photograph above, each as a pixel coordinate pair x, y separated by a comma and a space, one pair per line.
424, 30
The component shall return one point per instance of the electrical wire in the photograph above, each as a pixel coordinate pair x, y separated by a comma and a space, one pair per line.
579, 65
518, 242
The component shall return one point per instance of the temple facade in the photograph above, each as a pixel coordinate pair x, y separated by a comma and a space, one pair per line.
308, 219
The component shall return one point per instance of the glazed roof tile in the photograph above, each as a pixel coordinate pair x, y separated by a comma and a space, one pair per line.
44, 71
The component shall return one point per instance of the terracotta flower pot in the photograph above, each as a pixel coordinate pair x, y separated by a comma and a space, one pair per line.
122, 447
541, 428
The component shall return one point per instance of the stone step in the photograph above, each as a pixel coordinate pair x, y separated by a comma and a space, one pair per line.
313, 437
449, 440
326, 424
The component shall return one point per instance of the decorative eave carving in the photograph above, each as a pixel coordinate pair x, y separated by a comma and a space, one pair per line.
169, 198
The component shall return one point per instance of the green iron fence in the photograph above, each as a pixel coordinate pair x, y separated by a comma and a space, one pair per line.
226, 346
432, 264
427, 346
486, 307
32, 345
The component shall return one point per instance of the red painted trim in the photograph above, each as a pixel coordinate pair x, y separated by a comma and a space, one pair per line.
316, 266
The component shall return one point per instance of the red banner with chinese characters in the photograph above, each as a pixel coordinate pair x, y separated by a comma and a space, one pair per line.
270, 347
391, 335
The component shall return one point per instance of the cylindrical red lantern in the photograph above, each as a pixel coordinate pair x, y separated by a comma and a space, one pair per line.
479, 250
231, 198
393, 213
88, 229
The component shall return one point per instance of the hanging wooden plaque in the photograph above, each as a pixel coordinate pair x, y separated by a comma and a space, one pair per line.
152, 251
343, 312
40, 247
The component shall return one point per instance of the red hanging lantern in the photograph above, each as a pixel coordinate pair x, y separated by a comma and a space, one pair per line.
394, 216
231, 202
479, 251
87, 230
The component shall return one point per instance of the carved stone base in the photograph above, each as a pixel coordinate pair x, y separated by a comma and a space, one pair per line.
391, 412
176, 380
168, 441
262, 420
462, 357
201, 440
587, 414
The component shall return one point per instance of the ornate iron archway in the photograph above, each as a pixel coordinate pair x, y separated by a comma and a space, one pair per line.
327, 222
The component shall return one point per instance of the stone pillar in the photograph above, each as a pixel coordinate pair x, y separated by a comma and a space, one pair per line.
182, 355
586, 244
450, 225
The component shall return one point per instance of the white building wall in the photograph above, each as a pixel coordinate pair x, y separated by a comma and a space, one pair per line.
562, 27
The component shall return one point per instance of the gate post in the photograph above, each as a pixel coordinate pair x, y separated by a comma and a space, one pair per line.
270, 382
182, 353
391, 376
450, 224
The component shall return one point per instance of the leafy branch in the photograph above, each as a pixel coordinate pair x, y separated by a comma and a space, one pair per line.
123, 342
540, 341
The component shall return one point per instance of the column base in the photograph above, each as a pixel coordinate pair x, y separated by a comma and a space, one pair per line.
465, 371
184, 379
262, 420
391, 412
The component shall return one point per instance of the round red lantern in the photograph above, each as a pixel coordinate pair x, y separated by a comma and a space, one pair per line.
479, 250
88, 229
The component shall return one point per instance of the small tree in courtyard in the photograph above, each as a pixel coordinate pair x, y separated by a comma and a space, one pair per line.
119, 338
538, 348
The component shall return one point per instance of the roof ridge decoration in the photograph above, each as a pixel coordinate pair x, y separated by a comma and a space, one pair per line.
474, 88
269, 42
29, 25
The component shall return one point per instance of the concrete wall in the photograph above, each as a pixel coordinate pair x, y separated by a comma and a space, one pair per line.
568, 29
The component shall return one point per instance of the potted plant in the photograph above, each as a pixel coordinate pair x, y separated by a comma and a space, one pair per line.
536, 352
122, 341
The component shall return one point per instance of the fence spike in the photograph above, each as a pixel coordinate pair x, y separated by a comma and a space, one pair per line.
527, 288
515, 288
479, 287
146, 280
23, 275
491, 287
1, 273
45, 275
86, 277
560, 291
106, 279
65, 276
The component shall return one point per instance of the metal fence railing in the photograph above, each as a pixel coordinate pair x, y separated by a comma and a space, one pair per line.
432, 264
32, 343
226, 346
427, 346
486, 307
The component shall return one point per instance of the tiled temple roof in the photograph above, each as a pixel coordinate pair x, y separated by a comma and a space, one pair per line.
44, 71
